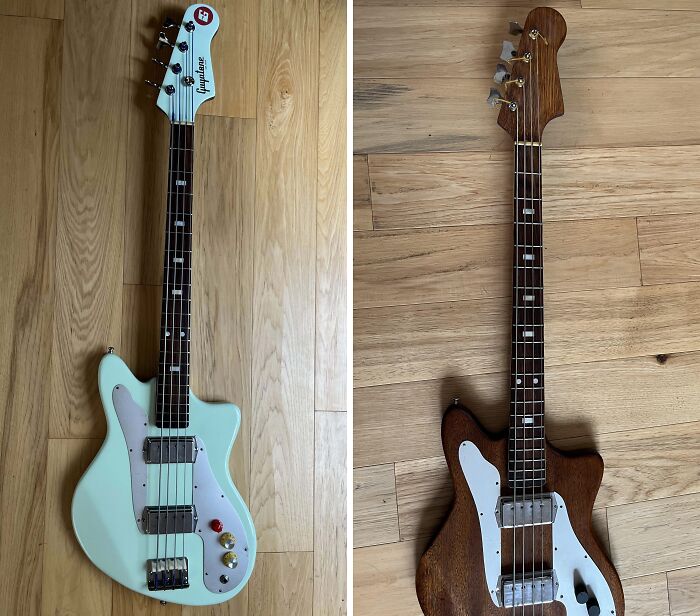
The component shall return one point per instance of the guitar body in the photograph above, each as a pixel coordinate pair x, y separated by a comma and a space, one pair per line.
103, 511
451, 578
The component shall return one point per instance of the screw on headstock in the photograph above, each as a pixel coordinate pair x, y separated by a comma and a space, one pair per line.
189, 80
163, 41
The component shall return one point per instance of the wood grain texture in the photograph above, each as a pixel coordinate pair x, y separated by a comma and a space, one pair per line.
330, 515
375, 516
459, 338
472, 188
609, 407
331, 218
141, 307
87, 590
647, 595
677, 5
361, 200
655, 536
427, 115
282, 583
48, 9
284, 279
457, 263
90, 223
668, 249
441, 41
28, 215
684, 591
491, 3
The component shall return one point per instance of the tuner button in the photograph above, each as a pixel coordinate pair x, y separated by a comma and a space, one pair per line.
494, 98
515, 28
508, 51
581, 594
593, 607
502, 73
230, 559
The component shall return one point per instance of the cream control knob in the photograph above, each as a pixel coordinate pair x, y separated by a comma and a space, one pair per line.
227, 540
230, 560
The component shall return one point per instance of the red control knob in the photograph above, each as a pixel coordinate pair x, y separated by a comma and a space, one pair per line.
217, 526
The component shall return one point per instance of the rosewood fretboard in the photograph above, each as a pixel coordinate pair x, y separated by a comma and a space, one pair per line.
172, 400
527, 467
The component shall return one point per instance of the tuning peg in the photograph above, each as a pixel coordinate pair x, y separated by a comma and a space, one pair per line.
495, 99
163, 41
508, 51
502, 73
169, 23
152, 84
515, 28
160, 62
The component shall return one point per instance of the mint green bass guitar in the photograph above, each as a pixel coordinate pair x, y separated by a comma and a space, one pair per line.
157, 510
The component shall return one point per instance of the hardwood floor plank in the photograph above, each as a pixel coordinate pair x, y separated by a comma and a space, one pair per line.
473, 188
428, 341
361, 201
669, 248
284, 279
375, 516
126, 602
449, 264
330, 515
28, 217
331, 223
47, 9
459, 42
684, 591
677, 5
140, 341
385, 579
492, 3
282, 583
638, 464
655, 536
573, 407
90, 225
448, 115
647, 595
86, 590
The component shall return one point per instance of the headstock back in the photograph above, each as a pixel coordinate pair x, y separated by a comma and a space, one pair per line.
532, 95
189, 78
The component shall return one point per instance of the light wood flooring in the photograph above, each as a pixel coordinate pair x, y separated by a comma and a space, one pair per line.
432, 250
83, 162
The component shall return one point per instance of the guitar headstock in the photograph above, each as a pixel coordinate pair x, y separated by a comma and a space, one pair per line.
532, 91
189, 78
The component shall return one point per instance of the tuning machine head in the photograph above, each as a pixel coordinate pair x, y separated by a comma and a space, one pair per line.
515, 29
163, 41
508, 51
168, 23
502, 73
494, 99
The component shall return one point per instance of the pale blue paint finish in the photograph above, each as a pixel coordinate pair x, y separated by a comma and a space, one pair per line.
103, 517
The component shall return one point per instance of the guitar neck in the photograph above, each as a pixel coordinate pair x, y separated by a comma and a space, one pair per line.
172, 402
526, 437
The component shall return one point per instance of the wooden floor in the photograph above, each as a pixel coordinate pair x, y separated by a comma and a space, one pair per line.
432, 250
83, 159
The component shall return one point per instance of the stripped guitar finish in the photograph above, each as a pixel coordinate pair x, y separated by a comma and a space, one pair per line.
518, 539
157, 510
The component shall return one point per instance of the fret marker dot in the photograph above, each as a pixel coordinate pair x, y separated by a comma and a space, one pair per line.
535, 381
167, 334
518, 381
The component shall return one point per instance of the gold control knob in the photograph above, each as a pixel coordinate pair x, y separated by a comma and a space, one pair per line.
227, 540
230, 560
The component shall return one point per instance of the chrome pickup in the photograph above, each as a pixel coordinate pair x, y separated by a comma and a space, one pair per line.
167, 450
171, 519
528, 590
167, 573
519, 512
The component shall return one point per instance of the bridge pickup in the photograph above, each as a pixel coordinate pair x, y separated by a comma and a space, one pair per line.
519, 512
167, 450
167, 573
528, 590
171, 519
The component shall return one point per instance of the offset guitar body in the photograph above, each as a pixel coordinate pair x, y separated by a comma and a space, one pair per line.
451, 578
109, 529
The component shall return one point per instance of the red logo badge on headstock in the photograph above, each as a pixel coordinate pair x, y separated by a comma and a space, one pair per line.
203, 16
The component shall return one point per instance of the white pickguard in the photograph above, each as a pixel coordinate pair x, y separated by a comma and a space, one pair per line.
570, 559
